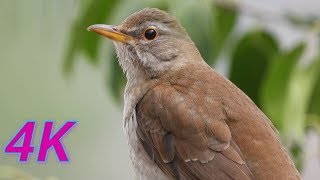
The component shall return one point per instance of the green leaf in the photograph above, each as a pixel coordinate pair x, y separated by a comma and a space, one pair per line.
314, 107
275, 87
224, 21
250, 61
296, 105
94, 12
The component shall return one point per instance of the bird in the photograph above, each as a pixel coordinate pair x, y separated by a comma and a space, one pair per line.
182, 119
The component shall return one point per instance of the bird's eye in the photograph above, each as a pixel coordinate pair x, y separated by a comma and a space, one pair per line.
150, 34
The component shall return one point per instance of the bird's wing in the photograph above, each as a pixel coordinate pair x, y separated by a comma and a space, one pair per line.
187, 139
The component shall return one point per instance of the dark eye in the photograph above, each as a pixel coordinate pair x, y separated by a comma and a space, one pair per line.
150, 34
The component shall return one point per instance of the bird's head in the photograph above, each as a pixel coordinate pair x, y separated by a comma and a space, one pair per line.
149, 43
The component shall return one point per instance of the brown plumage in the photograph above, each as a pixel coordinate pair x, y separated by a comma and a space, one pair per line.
183, 120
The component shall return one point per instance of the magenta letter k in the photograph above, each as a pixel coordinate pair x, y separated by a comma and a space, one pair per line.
54, 141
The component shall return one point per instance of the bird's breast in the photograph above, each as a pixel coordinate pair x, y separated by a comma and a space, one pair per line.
143, 166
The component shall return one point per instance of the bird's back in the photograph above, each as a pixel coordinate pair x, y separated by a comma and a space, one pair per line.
251, 130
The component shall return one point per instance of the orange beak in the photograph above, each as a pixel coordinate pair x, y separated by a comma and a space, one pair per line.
111, 33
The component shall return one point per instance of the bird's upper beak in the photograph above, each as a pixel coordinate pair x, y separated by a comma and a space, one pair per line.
110, 32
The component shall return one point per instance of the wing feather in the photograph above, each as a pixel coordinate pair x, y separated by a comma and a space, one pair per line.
185, 139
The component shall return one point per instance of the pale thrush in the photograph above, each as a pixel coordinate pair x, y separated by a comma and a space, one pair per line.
182, 119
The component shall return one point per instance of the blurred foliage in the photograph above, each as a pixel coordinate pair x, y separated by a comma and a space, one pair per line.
250, 61
81, 41
224, 21
276, 84
314, 106
285, 89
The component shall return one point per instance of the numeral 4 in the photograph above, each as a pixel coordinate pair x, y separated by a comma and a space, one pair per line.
25, 134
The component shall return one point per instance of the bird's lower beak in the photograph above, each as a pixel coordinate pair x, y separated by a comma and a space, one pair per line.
110, 32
